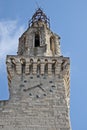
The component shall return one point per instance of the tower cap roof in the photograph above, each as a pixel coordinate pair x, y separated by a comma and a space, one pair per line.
39, 15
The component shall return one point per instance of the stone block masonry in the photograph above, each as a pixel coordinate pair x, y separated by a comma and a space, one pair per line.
38, 80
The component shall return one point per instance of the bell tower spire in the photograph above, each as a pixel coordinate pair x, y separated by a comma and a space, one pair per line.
39, 40
39, 16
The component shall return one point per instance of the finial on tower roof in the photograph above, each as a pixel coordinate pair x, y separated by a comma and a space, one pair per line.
39, 15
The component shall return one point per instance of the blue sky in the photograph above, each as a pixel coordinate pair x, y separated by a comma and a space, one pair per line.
69, 20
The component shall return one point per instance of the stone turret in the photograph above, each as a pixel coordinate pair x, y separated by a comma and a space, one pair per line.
39, 40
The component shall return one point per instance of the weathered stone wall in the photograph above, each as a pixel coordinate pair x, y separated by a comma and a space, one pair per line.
47, 111
39, 81
29, 113
27, 41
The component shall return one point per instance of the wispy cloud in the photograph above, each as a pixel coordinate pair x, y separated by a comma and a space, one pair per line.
9, 34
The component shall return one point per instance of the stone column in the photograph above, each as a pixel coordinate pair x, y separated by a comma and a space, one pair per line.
34, 68
18, 68
27, 68
49, 68
42, 68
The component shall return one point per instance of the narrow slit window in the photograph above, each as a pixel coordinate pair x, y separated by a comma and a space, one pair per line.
37, 40
38, 67
46, 67
53, 67
52, 45
23, 66
31, 66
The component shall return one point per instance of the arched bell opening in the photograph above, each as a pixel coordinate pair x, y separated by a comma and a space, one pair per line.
37, 40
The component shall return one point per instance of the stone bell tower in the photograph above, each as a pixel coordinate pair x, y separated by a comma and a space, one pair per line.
39, 81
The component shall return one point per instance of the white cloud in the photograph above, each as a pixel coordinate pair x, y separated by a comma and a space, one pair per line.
9, 34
